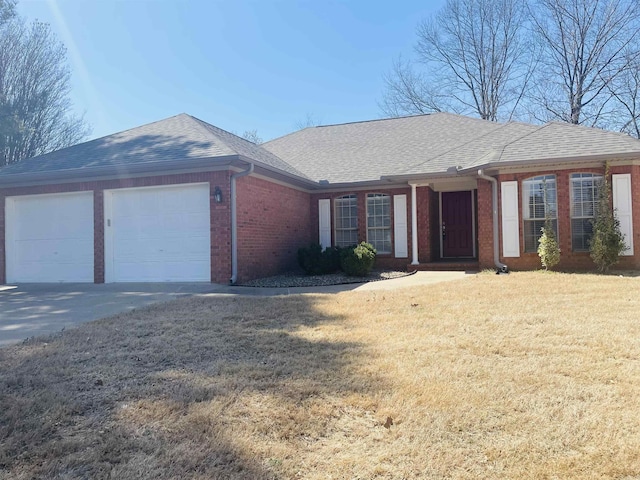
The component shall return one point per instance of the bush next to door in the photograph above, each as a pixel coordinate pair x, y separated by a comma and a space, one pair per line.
314, 261
357, 261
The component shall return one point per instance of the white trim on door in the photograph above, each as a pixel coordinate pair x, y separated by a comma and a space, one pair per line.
50, 237
169, 262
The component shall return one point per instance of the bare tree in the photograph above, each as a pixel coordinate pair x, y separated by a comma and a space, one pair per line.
34, 93
310, 120
7, 10
475, 59
586, 45
252, 136
625, 90
408, 92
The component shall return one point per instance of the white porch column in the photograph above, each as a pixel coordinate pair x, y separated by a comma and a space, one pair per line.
414, 225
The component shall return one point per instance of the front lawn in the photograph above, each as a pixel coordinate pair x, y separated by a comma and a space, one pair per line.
529, 375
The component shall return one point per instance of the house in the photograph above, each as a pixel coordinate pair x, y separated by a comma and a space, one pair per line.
182, 200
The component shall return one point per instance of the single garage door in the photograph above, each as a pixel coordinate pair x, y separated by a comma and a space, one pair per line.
158, 234
49, 238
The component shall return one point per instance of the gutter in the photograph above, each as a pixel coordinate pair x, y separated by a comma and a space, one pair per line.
234, 223
545, 162
502, 268
72, 175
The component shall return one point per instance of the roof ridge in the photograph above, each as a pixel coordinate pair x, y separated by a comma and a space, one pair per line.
101, 138
505, 145
139, 126
374, 120
500, 126
430, 114
573, 125
206, 126
386, 119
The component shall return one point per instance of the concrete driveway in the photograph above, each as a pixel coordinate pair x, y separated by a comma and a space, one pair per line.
29, 310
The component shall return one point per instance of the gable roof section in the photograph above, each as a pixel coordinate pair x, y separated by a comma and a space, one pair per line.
176, 139
366, 151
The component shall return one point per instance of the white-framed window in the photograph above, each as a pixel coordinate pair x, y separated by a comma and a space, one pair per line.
584, 200
539, 201
379, 221
346, 220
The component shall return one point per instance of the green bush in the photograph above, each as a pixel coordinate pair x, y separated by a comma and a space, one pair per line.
607, 242
314, 261
548, 248
357, 261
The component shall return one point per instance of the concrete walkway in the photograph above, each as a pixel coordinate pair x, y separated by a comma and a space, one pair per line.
29, 310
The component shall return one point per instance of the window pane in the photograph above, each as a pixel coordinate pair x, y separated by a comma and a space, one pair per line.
584, 201
540, 196
379, 222
346, 220
581, 231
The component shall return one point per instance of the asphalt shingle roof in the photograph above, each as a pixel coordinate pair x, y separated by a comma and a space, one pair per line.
177, 138
430, 144
352, 152
369, 150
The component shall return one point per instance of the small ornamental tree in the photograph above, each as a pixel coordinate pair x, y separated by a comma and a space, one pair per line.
548, 248
607, 241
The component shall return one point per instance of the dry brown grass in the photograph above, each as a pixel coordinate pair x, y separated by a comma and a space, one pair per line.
530, 375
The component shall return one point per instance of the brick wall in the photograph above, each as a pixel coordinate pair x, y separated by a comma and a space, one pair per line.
485, 224
570, 260
382, 260
427, 201
220, 215
273, 222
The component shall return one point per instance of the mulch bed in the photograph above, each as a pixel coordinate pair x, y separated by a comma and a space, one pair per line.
293, 279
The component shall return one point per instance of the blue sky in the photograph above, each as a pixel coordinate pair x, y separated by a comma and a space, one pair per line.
238, 64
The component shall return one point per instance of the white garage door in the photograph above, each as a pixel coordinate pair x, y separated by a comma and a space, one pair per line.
158, 234
49, 238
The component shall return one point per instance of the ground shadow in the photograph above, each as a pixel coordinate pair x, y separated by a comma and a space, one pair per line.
29, 310
160, 392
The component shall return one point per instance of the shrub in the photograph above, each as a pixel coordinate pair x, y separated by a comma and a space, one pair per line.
357, 261
548, 248
607, 242
314, 261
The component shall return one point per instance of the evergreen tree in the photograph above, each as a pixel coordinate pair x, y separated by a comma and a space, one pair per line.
607, 242
548, 250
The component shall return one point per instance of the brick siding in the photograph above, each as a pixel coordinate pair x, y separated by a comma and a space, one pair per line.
570, 260
273, 222
382, 260
485, 224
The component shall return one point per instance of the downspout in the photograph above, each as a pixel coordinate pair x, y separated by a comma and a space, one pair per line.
502, 268
234, 224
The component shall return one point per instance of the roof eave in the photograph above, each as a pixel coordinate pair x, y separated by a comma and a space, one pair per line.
551, 161
279, 174
415, 177
113, 171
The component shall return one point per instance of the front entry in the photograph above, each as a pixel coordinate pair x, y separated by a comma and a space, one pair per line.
457, 224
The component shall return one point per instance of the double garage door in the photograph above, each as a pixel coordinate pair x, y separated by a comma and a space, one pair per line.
154, 234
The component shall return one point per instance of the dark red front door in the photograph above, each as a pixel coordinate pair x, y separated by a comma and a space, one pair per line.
457, 224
